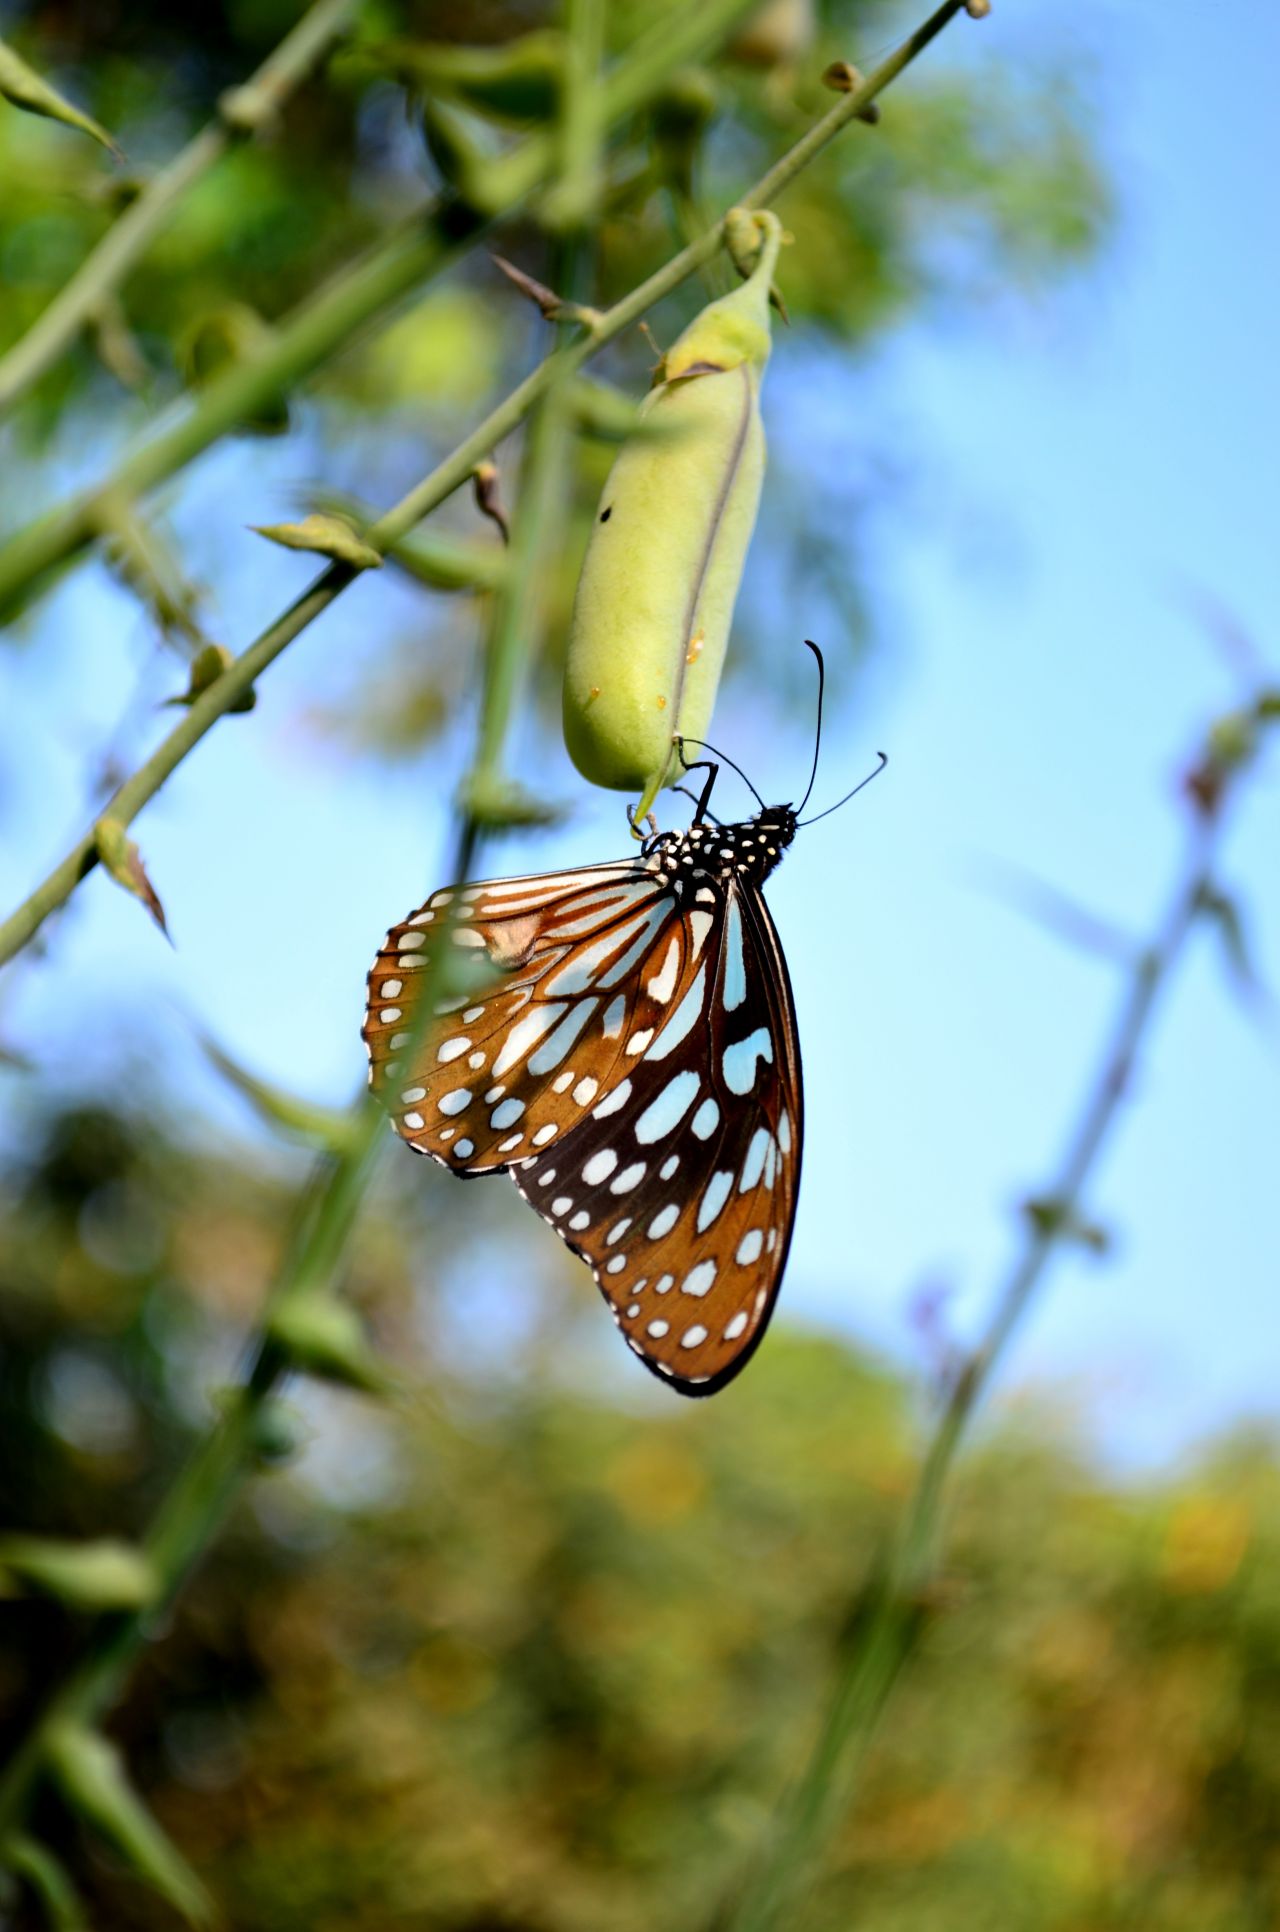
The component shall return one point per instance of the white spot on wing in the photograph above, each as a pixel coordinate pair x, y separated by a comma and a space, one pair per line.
663, 983
665, 1113
523, 1034
714, 1198
612, 1102
699, 1279
740, 1060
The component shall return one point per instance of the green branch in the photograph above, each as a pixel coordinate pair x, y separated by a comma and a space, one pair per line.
241, 112
447, 477
899, 1597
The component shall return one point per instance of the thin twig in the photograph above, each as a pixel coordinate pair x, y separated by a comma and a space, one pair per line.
447, 477
900, 1596
102, 272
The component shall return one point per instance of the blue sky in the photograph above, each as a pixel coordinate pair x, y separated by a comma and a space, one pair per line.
1082, 468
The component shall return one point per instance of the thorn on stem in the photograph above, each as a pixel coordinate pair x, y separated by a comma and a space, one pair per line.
552, 306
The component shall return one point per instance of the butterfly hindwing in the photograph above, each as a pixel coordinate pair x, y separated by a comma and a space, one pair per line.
680, 1190
581, 967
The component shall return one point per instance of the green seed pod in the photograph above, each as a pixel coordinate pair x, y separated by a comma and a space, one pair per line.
656, 595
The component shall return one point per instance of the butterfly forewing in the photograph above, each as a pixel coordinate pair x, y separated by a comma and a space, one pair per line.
581, 967
680, 1189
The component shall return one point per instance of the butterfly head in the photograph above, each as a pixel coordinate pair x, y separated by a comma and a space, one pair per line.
708, 855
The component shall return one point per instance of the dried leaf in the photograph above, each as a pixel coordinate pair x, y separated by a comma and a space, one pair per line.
123, 861
328, 535
25, 88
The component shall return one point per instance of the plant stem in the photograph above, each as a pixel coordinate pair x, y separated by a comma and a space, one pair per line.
103, 271
427, 495
898, 1604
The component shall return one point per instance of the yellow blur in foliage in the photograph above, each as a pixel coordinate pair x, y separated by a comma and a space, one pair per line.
662, 569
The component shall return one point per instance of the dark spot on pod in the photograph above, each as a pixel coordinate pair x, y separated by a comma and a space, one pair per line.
606, 514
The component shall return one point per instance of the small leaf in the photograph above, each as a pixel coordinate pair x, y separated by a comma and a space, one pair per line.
486, 482
324, 1337
1057, 1220
36, 1865
207, 666
1225, 914
329, 535
27, 89
90, 1774
443, 561
102, 1575
123, 861
328, 1125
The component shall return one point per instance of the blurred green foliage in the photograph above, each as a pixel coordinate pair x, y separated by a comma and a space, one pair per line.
512, 1657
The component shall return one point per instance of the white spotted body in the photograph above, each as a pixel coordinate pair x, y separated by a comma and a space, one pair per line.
635, 1068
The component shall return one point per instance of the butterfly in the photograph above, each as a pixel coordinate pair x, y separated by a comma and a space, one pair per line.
632, 1061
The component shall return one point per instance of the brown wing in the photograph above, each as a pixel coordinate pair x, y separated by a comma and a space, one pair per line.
589, 963
681, 1191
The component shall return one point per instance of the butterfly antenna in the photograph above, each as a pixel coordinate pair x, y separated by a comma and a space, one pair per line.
883, 757
817, 736
682, 742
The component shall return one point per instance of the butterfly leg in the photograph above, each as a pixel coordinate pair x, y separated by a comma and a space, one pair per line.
686, 793
712, 771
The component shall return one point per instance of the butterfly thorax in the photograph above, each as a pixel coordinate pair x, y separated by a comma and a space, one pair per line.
708, 855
